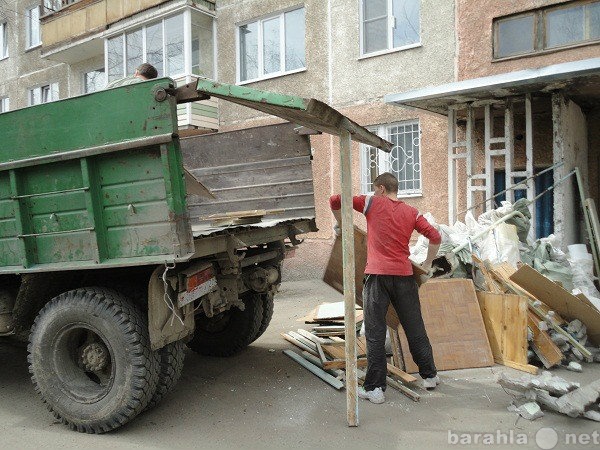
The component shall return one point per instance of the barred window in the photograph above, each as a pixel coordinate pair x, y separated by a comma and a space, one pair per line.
404, 161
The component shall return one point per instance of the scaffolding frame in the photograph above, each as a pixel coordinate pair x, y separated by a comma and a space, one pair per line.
464, 150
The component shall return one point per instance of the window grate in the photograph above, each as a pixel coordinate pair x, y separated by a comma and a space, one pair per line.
404, 161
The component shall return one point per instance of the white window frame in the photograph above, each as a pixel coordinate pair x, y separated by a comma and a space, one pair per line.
83, 80
4, 104
540, 29
187, 39
52, 88
390, 33
28, 22
384, 159
3, 40
259, 22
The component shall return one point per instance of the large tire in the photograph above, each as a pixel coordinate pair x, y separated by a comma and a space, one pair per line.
268, 305
90, 359
171, 358
228, 332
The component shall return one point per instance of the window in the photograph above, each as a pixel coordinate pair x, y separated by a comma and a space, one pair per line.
33, 26
164, 45
389, 24
547, 29
43, 94
3, 40
4, 104
271, 46
94, 80
404, 161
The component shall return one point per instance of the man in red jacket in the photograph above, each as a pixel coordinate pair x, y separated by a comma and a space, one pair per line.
388, 278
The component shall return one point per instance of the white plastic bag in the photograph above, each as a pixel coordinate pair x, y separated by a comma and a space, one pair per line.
501, 245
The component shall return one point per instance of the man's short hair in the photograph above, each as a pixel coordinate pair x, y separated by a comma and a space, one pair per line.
148, 71
388, 181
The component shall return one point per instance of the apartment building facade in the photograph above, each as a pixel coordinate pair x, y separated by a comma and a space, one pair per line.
526, 102
26, 78
350, 54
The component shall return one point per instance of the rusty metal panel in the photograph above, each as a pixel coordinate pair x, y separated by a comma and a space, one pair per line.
265, 168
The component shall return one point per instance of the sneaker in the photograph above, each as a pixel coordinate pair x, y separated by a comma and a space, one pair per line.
374, 396
431, 383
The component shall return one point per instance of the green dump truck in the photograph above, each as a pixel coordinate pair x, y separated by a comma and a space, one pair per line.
121, 242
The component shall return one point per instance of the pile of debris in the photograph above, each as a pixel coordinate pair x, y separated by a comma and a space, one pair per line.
552, 393
533, 309
323, 350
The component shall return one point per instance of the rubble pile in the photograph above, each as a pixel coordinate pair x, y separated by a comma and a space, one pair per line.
553, 393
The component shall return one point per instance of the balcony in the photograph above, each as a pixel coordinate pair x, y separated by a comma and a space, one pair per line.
72, 30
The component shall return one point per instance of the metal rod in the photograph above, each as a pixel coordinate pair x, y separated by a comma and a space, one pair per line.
349, 278
512, 187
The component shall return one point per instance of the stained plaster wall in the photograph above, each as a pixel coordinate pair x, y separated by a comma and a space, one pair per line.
571, 147
24, 69
475, 39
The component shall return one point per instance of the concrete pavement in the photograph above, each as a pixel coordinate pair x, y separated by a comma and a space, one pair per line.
262, 399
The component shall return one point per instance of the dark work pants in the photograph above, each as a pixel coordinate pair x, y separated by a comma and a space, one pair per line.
403, 293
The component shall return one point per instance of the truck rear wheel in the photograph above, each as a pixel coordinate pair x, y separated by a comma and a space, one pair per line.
230, 331
90, 359
268, 306
171, 358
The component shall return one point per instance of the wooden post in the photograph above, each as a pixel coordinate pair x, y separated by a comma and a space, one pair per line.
349, 275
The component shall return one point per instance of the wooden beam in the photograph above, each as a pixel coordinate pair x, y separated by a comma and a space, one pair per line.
341, 363
407, 378
349, 278
298, 344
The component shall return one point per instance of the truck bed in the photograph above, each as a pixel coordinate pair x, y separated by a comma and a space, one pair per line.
266, 168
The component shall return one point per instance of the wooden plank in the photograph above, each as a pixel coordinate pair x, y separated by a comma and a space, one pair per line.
454, 325
491, 284
393, 383
321, 354
303, 340
407, 378
546, 350
315, 370
310, 336
505, 318
341, 363
566, 304
300, 345
335, 351
361, 344
523, 367
397, 357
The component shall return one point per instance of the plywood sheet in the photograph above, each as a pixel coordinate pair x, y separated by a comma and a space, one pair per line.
558, 299
505, 319
454, 325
